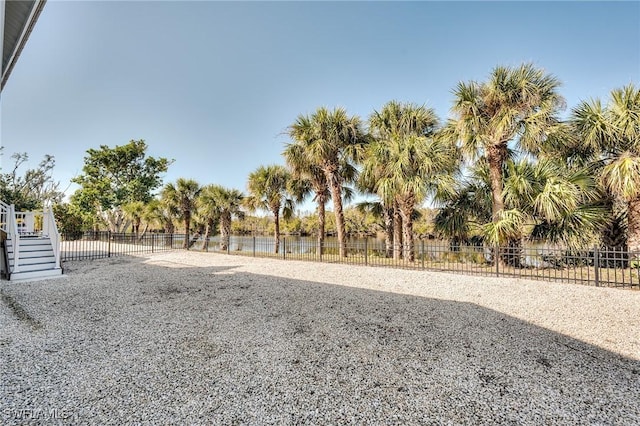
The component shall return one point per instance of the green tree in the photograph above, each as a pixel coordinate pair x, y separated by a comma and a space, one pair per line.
134, 213
330, 140
311, 178
112, 177
610, 134
407, 161
182, 196
70, 222
230, 201
516, 106
386, 207
303, 168
269, 189
208, 210
545, 200
381, 208
359, 222
223, 204
34, 188
164, 213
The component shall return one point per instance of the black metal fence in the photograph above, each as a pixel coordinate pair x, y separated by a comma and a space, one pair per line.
597, 266
100, 244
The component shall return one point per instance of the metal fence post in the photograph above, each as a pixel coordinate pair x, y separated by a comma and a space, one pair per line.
254, 246
284, 248
497, 260
422, 252
153, 240
109, 244
229, 245
596, 265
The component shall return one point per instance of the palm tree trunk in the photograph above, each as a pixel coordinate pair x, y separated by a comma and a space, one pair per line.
207, 234
336, 194
225, 230
276, 232
187, 224
321, 224
144, 231
137, 227
496, 155
633, 216
613, 235
169, 231
387, 214
397, 232
406, 209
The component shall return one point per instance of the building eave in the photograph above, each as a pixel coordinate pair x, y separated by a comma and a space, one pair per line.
19, 20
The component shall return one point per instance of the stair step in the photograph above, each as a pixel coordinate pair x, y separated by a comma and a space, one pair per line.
37, 258
28, 249
34, 243
37, 250
32, 275
37, 267
37, 261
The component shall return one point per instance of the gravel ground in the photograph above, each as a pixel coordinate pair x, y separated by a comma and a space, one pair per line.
193, 338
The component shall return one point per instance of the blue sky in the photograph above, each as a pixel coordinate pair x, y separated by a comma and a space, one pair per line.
214, 85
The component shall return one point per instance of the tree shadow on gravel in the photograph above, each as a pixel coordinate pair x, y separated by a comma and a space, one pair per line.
159, 344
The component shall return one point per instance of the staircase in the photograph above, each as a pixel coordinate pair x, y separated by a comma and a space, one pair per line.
31, 248
37, 259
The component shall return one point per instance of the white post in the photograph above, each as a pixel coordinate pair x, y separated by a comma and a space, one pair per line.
49, 223
15, 240
29, 222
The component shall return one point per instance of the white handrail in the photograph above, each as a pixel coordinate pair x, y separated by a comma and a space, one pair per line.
4, 215
15, 238
50, 229
28, 223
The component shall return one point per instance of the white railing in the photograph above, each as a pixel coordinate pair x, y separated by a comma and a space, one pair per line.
8, 225
16, 224
50, 229
30, 223
4, 217
15, 238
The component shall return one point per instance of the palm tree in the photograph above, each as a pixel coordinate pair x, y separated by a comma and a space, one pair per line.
330, 140
545, 200
466, 208
182, 195
164, 213
310, 175
209, 210
229, 203
381, 210
148, 216
367, 183
269, 190
407, 160
516, 105
302, 168
612, 132
558, 204
134, 211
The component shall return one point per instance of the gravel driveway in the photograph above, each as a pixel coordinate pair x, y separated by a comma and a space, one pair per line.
196, 338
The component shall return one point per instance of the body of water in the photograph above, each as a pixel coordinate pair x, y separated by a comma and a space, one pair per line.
533, 255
